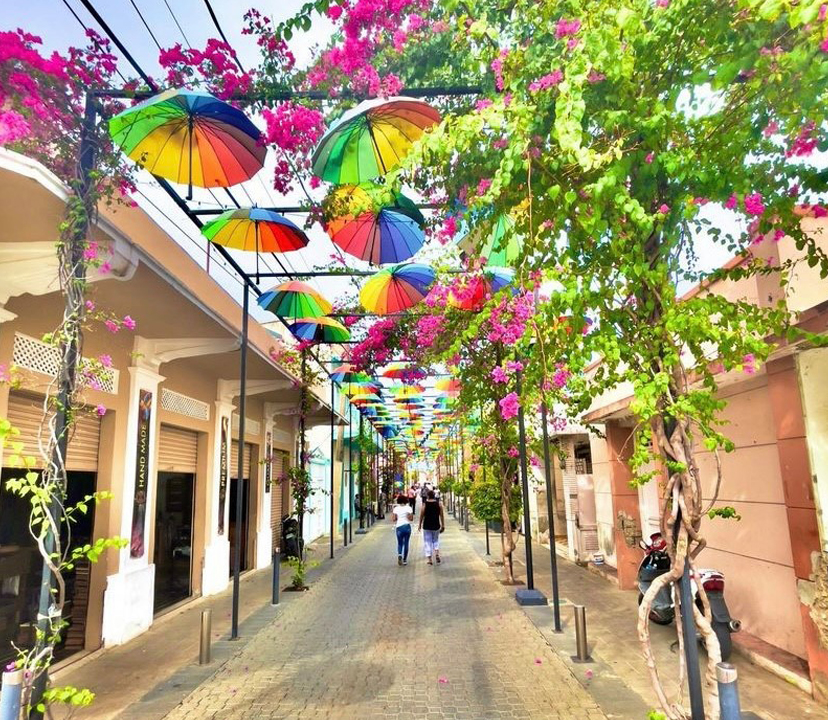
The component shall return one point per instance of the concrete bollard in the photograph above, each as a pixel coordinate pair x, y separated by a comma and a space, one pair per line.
277, 560
581, 645
10, 695
205, 639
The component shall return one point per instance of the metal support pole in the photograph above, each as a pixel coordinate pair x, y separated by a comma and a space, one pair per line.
550, 504
361, 478
345, 532
11, 694
350, 475
69, 351
277, 561
581, 645
204, 642
234, 629
691, 648
524, 480
488, 552
333, 446
729, 705
466, 480
303, 460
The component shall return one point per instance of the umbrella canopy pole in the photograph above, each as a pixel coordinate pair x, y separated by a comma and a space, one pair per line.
333, 440
376, 148
190, 125
256, 232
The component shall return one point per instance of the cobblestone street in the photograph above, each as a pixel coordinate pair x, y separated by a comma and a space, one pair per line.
374, 640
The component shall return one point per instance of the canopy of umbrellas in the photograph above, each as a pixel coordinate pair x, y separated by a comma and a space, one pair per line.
194, 139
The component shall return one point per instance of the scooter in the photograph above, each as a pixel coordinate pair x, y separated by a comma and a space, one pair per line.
290, 537
656, 562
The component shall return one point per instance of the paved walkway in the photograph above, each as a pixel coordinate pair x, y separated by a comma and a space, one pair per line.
619, 668
374, 640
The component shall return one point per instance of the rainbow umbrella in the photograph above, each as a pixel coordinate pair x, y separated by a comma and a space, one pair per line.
408, 391
294, 300
348, 373
371, 139
320, 329
448, 386
377, 234
479, 288
403, 371
190, 138
396, 288
255, 230
356, 388
500, 247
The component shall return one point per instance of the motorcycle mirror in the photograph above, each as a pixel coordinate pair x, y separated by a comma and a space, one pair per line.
643, 545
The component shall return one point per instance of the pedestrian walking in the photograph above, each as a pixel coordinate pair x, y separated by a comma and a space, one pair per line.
403, 517
432, 523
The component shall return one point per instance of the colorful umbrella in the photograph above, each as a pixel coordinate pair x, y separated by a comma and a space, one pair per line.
396, 288
371, 139
348, 373
500, 247
190, 138
404, 371
255, 230
320, 329
377, 234
294, 300
448, 386
479, 288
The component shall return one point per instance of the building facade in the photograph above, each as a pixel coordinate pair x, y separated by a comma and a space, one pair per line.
159, 431
773, 558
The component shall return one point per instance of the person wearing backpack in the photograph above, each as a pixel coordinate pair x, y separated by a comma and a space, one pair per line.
432, 523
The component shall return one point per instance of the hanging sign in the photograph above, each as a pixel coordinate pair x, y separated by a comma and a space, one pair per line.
268, 460
139, 501
223, 470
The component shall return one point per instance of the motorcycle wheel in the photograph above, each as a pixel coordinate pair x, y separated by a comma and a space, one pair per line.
725, 642
654, 617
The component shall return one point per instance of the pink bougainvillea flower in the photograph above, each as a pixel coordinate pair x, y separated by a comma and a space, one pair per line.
824, 45
567, 28
509, 406
700, 201
100, 410
749, 364
483, 186
512, 452
106, 360
499, 376
732, 202
662, 3
753, 204
482, 104
547, 81
771, 128
514, 366
112, 326
90, 306
534, 461
129, 323
819, 211
664, 209
650, 157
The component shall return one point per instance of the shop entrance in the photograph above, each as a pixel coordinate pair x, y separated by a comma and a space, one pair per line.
173, 538
242, 514
174, 505
20, 563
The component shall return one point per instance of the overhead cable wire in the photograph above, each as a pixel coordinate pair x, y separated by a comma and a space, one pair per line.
115, 39
223, 36
151, 34
86, 30
178, 25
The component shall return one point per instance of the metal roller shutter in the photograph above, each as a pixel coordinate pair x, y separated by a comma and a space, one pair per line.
234, 459
177, 450
280, 466
26, 412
